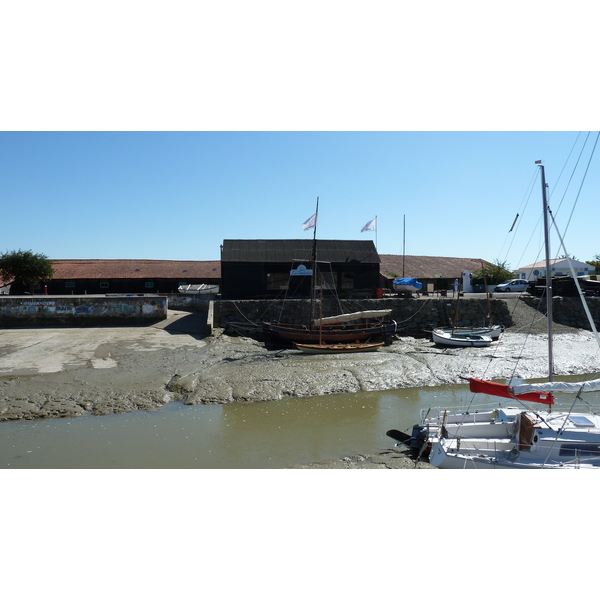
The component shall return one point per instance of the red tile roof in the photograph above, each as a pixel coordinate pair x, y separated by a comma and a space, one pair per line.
136, 269
427, 267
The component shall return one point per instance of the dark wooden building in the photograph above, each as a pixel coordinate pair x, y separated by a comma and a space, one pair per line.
276, 268
130, 276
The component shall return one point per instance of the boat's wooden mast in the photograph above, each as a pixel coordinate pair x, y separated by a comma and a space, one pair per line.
548, 278
313, 285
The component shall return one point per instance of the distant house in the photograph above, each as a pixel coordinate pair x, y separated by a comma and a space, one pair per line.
127, 276
4, 286
278, 268
434, 272
558, 266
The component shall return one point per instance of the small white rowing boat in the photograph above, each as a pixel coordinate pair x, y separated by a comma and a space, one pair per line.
445, 338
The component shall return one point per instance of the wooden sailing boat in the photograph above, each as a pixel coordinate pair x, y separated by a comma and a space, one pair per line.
516, 436
349, 328
346, 348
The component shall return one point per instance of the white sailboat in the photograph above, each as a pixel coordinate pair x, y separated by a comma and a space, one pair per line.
516, 436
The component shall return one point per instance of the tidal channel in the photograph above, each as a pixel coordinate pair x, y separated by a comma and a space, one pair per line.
255, 435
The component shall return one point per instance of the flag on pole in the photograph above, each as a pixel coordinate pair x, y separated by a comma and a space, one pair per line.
370, 226
538, 162
310, 223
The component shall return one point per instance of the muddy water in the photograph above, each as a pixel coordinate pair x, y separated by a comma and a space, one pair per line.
275, 434
282, 433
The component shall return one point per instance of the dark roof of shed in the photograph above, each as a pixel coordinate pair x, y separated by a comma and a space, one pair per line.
282, 251
427, 267
135, 269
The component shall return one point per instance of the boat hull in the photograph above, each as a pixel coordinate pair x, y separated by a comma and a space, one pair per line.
494, 332
507, 438
406, 288
460, 341
407, 285
338, 348
444, 454
331, 334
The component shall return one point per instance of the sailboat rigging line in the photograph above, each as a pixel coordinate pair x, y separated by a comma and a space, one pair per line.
564, 424
579, 290
521, 211
574, 168
582, 182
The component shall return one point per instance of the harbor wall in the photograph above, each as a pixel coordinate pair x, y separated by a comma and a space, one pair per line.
568, 311
81, 310
415, 316
190, 301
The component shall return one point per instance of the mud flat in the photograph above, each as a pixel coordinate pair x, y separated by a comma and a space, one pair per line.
69, 372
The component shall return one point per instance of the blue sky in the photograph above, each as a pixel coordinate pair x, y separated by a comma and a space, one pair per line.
178, 195
140, 132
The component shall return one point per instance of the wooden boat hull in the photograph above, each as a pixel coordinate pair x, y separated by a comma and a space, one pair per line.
330, 334
338, 348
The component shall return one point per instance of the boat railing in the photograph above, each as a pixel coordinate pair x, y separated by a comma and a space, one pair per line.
474, 414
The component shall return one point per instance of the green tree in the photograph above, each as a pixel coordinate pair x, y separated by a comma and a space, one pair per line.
25, 267
595, 263
494, 273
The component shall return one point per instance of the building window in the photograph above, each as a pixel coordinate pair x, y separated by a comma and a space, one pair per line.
104, 285
149, 284
69, 284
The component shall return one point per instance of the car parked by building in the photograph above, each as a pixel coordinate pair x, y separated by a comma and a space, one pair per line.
512, 285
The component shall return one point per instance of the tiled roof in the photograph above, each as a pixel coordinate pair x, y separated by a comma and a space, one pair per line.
136, 269
427, 267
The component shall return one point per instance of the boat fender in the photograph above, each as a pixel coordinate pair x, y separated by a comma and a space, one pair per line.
513, 454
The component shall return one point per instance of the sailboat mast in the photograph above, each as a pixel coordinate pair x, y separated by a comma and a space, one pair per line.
548, 278
313, 286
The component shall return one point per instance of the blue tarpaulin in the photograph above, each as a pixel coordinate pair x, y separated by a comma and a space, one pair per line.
408, 281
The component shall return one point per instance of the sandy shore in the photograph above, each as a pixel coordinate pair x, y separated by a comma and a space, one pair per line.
69, 372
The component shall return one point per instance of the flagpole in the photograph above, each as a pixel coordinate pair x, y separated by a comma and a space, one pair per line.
403, 245
375, 232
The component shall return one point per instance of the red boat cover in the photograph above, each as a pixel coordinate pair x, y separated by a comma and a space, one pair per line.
480, 386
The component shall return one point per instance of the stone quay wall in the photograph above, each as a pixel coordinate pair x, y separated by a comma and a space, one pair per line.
414, 316
568, 311
190, 301
80, 310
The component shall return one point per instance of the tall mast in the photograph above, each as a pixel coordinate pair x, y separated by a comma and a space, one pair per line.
314, 269
548, 277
